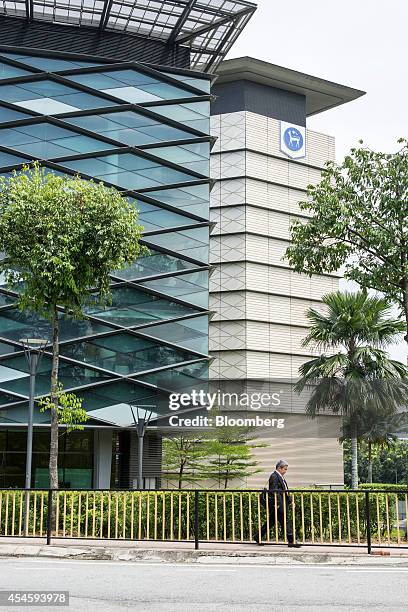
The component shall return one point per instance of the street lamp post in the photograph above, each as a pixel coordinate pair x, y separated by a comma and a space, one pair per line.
33, 349
141, 420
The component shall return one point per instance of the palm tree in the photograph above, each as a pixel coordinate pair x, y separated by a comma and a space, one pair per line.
354, 331
375, 429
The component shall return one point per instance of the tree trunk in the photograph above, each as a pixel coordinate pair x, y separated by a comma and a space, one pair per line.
354, 456
370, 464
53, 464
180, 478
405, 308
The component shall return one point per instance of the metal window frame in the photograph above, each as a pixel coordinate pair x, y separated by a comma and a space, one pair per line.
192, 23
146, 151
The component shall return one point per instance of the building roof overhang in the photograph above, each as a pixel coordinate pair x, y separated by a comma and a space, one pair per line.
208, 27
321, 95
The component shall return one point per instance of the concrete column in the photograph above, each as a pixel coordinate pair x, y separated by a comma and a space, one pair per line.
102, 458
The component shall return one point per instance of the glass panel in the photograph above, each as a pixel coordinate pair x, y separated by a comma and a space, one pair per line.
5, 300
9, 72
15, 324
152, 264
124, 353
202, 84
7, 114
131, 85
14, 375
6, 159
153, 217
194, 156
181, 379
194, 198
49, 64
190, 242
130, 128
49, 96
193, 114
128, 171
46, 140
115, 393
190, 333
192, 288
131, 307
7, 398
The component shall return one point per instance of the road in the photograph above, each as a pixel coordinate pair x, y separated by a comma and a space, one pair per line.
113, 586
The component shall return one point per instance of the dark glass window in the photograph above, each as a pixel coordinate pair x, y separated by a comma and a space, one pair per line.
131, 307
9, 72
130, 128
47, 141
193, 114
132, 86
50, 97
15, 324
75, 459
129, 171
152, 264
195, 156
6, 159
194, 198
14, 375
124, 353
190, 333
190, 242
153, 217
182, 378
203, 84
49, 64
192, 288
7, 114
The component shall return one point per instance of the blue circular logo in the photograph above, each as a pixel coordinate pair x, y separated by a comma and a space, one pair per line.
293, 139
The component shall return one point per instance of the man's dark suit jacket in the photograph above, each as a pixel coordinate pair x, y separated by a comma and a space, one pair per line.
277, 484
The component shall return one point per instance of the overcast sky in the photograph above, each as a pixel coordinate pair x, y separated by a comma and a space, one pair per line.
359, 43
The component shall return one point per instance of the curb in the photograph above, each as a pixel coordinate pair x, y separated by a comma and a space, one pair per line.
197, 556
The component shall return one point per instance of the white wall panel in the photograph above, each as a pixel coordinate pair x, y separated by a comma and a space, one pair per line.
259, 277
263, 135
276, 197
228, 277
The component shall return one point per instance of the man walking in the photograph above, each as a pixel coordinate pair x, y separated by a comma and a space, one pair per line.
278, 492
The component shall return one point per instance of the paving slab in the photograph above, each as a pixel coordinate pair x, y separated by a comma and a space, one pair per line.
209, 552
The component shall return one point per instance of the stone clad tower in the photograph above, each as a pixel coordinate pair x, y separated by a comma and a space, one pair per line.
262, 162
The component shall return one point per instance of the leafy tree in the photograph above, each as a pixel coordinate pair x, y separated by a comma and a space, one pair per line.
183, 457
229, 452
375, 429
359, 219
69, 410
390, 464
357, 372
62, 236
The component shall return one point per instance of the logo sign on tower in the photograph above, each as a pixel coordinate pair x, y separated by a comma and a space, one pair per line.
293, 140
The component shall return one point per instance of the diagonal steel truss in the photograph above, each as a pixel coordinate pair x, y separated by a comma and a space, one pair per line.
208, 27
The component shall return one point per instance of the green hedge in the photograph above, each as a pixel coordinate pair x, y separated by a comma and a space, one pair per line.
320, 516
375, 486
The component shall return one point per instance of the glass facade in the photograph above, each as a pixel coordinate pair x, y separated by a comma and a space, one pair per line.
145, 132
75, 461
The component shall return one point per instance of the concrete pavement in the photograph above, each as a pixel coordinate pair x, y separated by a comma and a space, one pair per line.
216, 553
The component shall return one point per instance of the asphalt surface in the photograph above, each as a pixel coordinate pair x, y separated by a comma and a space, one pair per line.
113, 586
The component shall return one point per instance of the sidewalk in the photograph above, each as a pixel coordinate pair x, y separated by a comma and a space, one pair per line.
183, 552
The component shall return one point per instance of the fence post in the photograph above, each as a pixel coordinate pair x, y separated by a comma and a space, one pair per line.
196, 521
49, 516
368, 520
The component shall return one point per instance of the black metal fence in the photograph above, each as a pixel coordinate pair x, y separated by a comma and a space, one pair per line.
363, 518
